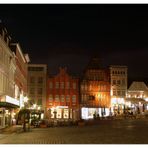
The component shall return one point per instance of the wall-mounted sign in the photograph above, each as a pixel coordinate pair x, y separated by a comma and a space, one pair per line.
12, 100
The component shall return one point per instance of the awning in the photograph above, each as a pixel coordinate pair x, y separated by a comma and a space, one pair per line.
136, 100
8, 105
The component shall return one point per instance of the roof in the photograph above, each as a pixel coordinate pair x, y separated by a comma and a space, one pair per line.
138, 86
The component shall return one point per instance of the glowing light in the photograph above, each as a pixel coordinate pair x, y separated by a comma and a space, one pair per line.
34, 106
39, 107
12, 100
25, 99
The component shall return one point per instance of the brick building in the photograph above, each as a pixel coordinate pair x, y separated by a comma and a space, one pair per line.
95, 90
63, 96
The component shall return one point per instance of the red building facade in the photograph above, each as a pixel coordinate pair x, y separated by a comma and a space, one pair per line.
63, 96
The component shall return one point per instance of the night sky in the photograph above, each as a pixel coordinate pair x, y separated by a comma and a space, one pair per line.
69, 35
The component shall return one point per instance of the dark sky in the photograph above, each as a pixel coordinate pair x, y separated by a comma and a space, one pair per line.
68, 35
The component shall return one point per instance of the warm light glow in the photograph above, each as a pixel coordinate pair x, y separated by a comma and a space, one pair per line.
26, 99
34, 106
39, 107
117, 101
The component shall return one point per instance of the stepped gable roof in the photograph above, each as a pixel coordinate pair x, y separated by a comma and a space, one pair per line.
138, 86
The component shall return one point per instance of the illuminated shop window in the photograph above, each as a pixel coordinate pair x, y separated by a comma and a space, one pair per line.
59, 113
52, 113
66, 114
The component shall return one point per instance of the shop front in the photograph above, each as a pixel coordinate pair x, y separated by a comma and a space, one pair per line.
8, 109
63, 113
89, 113
136, 105
118, 105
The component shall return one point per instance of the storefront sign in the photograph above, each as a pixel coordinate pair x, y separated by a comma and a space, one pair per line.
12, 100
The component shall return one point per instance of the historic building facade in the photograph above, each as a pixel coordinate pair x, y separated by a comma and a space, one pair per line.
137, 97
21, 73
7, 79
118, 91
63, 96
95, 90
37, 75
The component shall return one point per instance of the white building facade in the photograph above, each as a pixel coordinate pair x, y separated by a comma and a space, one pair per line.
7, 83
118, 80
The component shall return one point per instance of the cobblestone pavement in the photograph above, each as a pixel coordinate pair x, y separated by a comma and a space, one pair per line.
106, 132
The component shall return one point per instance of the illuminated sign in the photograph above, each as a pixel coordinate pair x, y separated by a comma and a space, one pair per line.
12, 100
62, 107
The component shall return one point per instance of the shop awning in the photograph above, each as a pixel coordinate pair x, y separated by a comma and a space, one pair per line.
136, 100
8, 105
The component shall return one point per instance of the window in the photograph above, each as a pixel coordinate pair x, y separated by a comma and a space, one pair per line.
118, 81
114, 82
113, 72
50, 85
57, 85
67, 98
123, 82
123, 93
62, 85
85, 87
62, 98
82, 87
40, 91
40, 80
74, 85
57, 98
118, 93
32, 91
39, 102
74, 98
114, 93
50, 98
32, 79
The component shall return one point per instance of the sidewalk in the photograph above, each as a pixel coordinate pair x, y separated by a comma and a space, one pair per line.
11, 129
